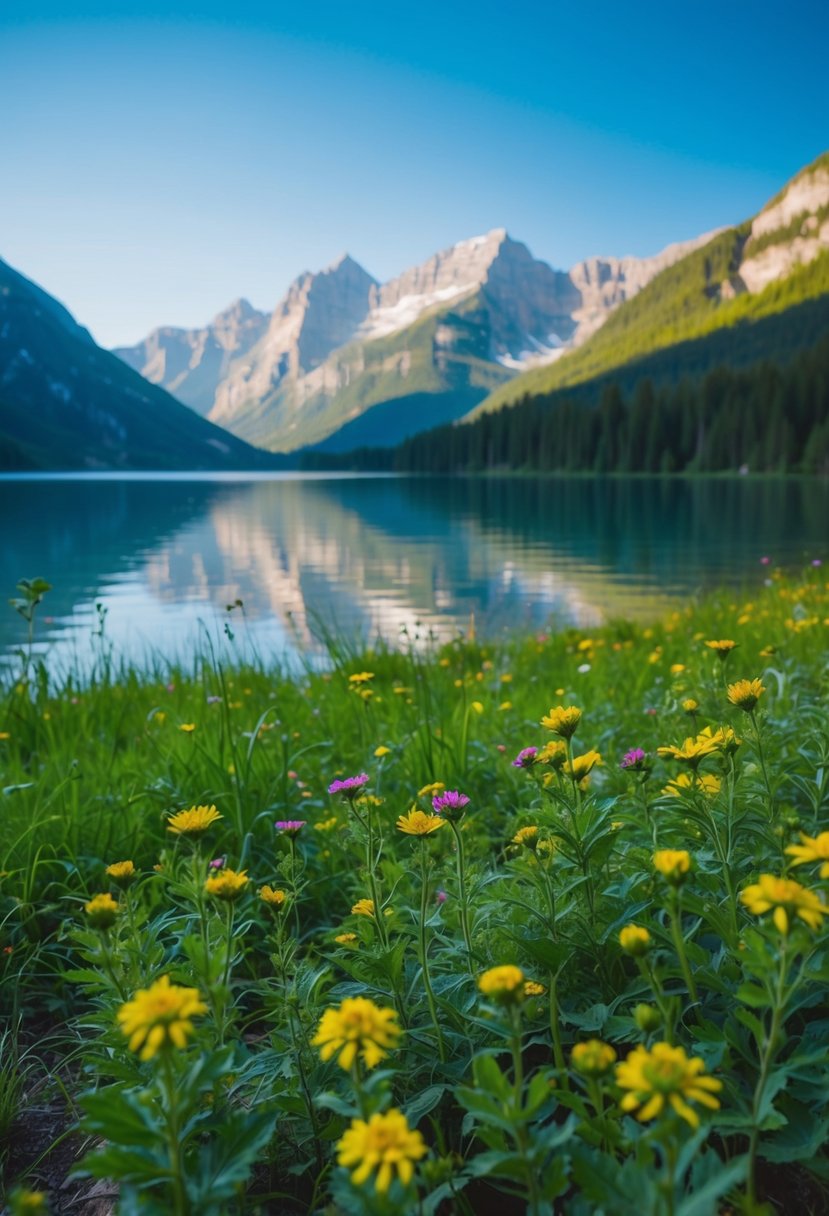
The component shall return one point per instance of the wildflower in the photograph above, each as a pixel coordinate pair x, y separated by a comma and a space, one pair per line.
451, 804
218, 863
290, 827
273, 899
690, 706
357, 1027
327, 825
23, 1202
160, 1016
363, 907
384, 1143
187, 727
722, 648
672, 864
505, 985
533, 988
350, 787
635, 940
787, 897
665, 1074
812, 848
691, 752
563, 720
101, 911
677, 668
361, 677
418, 823
553, 754
382, 751
527, 836
346, 939
745, 694
429, 791
647, 1017
194, 821
723, 739
441, 896
227, 885
122, 872
686, 783
478, 706
636, 759
592, 1058
525, 758
580, 766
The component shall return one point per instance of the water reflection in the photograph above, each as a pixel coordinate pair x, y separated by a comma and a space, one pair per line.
379, 555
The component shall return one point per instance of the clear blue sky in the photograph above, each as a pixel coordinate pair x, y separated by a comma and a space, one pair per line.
160, 159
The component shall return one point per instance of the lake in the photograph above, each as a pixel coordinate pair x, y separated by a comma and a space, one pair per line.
396, 557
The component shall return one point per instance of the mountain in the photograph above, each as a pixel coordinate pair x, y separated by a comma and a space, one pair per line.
65, 403
773, 262
191, 363
346, 360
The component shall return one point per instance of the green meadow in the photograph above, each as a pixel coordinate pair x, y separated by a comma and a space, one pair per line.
525, 961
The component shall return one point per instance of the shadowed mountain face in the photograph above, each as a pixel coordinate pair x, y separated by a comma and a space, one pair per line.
369, 556
343, 356
65, 403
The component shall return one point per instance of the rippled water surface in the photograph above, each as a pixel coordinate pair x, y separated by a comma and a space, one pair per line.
165, 556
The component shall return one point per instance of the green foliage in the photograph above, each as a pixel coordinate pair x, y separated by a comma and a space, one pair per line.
246, 1115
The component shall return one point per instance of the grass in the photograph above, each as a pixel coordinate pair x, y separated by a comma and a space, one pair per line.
244, 1114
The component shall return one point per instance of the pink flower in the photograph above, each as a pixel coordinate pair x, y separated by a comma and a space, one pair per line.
290, 827
217, 863
525, 758
350, 787
441, 897
451, 804
765, 561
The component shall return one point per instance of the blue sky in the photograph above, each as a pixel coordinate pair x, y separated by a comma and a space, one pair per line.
160, 160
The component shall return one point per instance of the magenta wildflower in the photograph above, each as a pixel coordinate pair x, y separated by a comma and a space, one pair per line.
217, 863
765, 561
525, 758
290, 827
441, 897
635, 758
816, 561
350, 787
450, 804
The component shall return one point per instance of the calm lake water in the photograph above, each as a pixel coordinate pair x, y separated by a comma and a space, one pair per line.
376, 555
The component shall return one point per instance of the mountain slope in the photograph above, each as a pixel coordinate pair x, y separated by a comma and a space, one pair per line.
422, 348
65, 403
758, 268
191, 363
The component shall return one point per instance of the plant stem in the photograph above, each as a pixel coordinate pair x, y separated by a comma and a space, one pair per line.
769, 1050
181, 1206
424, 948
462, 895
679, 943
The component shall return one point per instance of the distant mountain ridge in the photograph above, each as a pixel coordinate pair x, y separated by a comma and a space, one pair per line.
67, 404
426, 346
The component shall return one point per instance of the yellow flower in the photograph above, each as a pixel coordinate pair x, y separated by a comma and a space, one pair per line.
722, 739
357, 1027
722, 648
188, 727
384, 1143
101, 911
665, 1074
429, 791
676, 668
505, 705
745, 694
28, 1203
635, 940
768, 652
382, 751
122, 872
361, 677
227, 884
690, 705
159, 1016
193, 822
363, 907
562, 721
4, 734
346, 939
274, 899
701, 783
477, 706
527, 836
592, 1058
533, 988
418, 823
787, 897
553, 754
672, 864
692, 751
503, 984
582, 765
813, 848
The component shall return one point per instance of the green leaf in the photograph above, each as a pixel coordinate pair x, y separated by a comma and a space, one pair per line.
227, 1158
